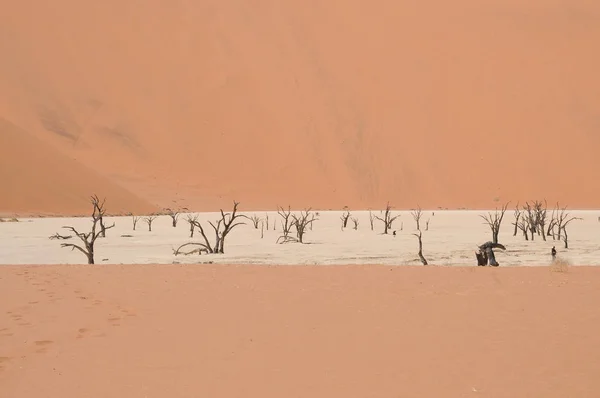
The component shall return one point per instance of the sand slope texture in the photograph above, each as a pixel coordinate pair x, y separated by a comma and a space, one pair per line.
309, 103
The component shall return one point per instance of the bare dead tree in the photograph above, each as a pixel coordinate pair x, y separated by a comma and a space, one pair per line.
89, 238
59, 236
262, 229
386, 218
300, 223
345, 217
192, 219
494, 221
421, 257
517, 216
529, 213
174, 214
99, 210
286, 220
523, 225
541, 216
221, 228
135, 220
149, 220
255, 220
427, 224
371, 219
267, 221
563, 219
417, 214
355, 223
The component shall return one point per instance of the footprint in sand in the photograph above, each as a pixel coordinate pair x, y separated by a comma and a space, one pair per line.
43, 344
82, 332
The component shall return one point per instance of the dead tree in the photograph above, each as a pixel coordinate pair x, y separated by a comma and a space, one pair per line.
355, 223
529, 213
135, 220
485, 255
149, 220
300, 223
192, 221
516, 222
286, 220
267, 221
59, 236
345, 217
421, 257
99, 210
221, 228
494, 221
417, 214
371, 219
255, 220
541, 216
427, 225
89, 238
174, 214
387, 218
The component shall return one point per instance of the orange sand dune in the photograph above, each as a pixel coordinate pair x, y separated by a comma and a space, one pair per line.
311, 103
36, 179
320, 332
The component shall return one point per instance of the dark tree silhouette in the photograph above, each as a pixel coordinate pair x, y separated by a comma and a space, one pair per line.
494, 221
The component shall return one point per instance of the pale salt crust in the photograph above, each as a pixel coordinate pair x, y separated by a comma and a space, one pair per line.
450, 241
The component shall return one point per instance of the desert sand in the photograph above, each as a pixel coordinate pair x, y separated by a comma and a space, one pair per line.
435, 103
151, 331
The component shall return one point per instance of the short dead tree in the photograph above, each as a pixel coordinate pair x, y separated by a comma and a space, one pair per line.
354, 223
192, 219
494, 221
255, 220
421, 257
345, 217
59, 236
89, 238
174, 214
221, 228
149, 220
386, 218
417, 214
371, 219
286, 220
427, 224
135, 220
300, 223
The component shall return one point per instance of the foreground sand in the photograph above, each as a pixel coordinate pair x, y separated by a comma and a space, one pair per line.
315, 331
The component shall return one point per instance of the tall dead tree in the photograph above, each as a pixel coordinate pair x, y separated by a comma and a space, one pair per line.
174, 214
267, 221
286, 220
523, 225
541, 216
192, 219
221, 228
345, 217
494, 221
89, 238
529, 213
417, 214
517, 216
100, 211
421, 257
386, 218
149, 220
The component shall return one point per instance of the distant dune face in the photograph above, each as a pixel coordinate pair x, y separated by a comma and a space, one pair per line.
308, 103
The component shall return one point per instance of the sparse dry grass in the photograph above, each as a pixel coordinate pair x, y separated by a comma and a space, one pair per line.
9, 220
560, 264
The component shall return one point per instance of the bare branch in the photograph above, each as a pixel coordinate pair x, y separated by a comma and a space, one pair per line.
421, 257
494, 221
386, 218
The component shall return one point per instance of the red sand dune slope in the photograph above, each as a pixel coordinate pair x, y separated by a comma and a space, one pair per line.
312, 103
38, 180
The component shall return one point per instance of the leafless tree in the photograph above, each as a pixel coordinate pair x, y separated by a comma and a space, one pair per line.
564, 229
174, 214
494, 221
192, 220
523, 225
100, 211
371, 219
355, 223
221, 228
427, 224
421, 257
530, 214
516, 222
286, 220
541, 216
300, 223
135, 220
149, 220
387, 218
59, 236
255, 220
345, 217
267, 221
89, 238
417, 214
